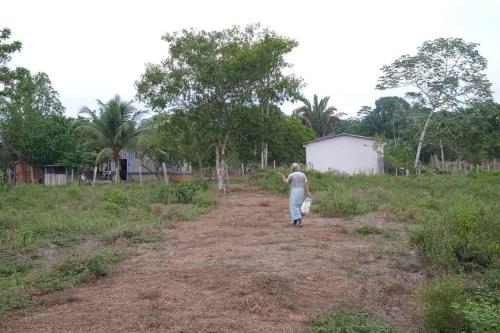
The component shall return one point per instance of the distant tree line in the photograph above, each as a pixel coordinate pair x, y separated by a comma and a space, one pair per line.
215, 99
468, 134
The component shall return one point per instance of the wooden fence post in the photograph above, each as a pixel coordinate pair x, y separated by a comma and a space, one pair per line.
95, 175
140, 172
31, 174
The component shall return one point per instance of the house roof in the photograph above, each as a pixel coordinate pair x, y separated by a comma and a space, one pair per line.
331, 136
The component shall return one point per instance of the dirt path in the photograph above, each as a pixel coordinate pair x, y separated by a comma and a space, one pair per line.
241, 268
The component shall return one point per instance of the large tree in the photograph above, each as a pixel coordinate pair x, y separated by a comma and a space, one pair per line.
447, 73
214, 76
32, 126
110, 129
275, 86
320, 117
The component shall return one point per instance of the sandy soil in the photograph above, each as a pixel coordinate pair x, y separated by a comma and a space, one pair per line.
241, 268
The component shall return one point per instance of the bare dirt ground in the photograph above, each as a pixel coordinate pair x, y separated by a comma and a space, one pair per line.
241, 268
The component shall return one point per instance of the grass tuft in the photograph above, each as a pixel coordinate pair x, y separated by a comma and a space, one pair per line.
345, 320
368, 230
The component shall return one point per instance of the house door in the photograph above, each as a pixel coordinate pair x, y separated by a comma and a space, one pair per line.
123, 169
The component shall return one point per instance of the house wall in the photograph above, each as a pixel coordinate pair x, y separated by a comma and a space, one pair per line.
149, 167
52, 179
24, 171
344, 154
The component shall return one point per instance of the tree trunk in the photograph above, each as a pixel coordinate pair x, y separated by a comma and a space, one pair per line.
262, 155
220, 166
165, 175
9, 176
442, 153
264, 147
117, 169
266, 150
421, 141
200, 163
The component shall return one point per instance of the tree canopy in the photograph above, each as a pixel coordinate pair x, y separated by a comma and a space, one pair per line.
320, 117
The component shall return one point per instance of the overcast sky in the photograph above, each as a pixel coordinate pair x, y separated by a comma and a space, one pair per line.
96, 49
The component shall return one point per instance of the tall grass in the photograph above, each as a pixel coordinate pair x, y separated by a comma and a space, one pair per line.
34, 219
454, 222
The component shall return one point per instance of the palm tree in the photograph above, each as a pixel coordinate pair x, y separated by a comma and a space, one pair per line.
318, 116
112, 128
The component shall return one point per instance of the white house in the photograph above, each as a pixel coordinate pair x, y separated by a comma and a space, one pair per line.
345, 153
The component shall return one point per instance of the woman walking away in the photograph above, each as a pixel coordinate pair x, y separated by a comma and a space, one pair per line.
298, 188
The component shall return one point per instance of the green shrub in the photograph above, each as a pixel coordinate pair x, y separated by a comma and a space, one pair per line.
204, 199
439, 299
73, 191
11, 299
460, 237
183, 192
491, 278
269, 180
85, 266
345, 320
368, 230
167, 194
186, 191
11, 267
481, 316
481, 309
118, 197
339, 202
494, 173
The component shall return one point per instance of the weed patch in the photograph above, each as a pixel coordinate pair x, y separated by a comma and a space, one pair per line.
33, 218
368, 230
344, 320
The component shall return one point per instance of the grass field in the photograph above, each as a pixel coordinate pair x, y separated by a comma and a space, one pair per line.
454, 224
52, 237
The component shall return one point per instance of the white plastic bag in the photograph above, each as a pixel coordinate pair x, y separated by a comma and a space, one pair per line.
305, 207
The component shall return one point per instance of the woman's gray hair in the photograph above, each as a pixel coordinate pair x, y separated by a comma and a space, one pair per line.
295, 167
